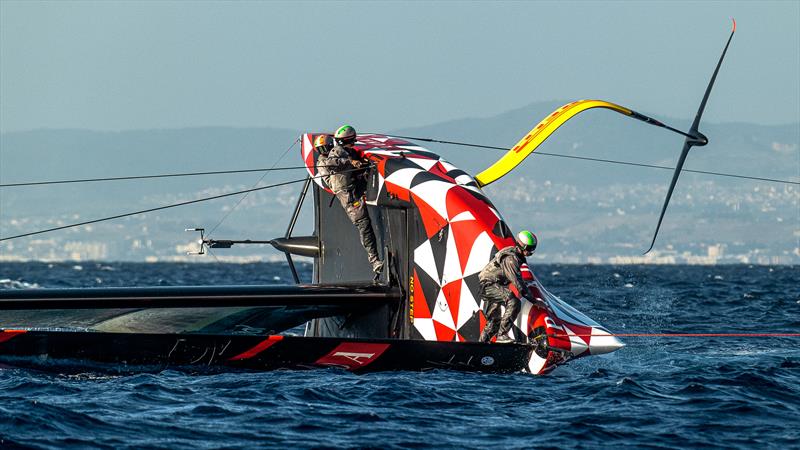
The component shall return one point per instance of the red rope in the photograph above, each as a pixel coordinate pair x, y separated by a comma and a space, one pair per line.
682, 335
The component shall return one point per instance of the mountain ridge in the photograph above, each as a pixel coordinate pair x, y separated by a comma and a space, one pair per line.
547, 193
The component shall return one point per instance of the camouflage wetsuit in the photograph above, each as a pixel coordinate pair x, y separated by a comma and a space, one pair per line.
337, 171
502, 270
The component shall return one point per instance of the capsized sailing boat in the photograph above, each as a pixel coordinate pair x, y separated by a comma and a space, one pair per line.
436, 229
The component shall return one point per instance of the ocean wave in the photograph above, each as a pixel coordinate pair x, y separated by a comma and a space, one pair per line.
6, 283
655, 393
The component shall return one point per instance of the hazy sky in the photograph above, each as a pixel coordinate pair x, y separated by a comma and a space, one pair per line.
381, 66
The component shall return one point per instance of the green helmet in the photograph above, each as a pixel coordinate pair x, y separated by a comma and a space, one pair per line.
527, 241
345, 135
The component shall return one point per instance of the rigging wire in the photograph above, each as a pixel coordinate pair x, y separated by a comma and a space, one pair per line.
609, 161
678, 335
174, 205
213, 255
141, 177
273, 168
464, 144
241, 199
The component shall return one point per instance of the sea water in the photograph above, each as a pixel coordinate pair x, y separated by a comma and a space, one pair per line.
654, 393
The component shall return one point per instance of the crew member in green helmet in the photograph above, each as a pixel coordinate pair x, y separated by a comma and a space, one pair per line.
340, 163
505, 269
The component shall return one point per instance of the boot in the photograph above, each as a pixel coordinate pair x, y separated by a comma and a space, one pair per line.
377, 267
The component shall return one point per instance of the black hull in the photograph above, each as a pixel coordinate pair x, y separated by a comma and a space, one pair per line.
260, 310
132, 351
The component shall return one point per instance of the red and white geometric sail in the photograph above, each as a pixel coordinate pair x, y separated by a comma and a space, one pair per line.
460, 232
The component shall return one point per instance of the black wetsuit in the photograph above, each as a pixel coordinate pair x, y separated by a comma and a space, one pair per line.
337, 169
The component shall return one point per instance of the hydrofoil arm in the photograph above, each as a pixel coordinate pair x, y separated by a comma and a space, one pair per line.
548, 126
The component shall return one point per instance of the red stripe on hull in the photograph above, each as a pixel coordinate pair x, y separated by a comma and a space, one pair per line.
263, 345
9, 334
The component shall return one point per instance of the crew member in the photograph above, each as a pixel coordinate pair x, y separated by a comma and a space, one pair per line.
502, 270
323, 144
338, 166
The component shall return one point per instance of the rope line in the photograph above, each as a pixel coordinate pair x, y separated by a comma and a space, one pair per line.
464, 144
609, 161
174, 205
679, 335
241, 199
141, 177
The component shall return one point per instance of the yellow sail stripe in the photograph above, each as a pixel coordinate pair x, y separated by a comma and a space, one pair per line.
538, 134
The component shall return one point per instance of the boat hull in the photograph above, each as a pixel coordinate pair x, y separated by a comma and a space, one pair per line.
138, 351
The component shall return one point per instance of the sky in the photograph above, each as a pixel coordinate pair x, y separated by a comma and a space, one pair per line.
384, 66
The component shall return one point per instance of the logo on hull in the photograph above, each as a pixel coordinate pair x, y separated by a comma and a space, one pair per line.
353, 355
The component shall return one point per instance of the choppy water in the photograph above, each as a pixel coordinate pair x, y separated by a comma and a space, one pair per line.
654, 393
